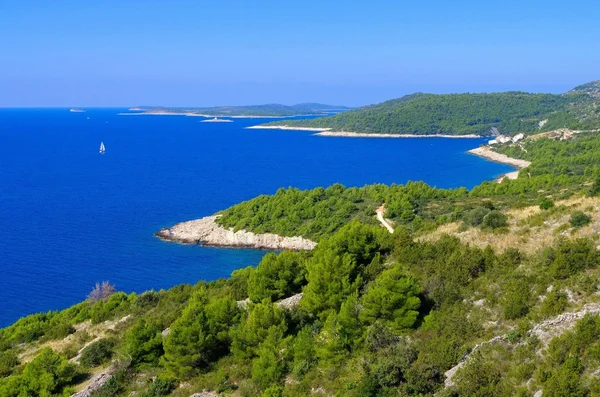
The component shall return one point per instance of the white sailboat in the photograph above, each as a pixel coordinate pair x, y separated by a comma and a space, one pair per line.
102, 148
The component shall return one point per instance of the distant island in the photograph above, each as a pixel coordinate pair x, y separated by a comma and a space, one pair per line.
269, 110
465, 114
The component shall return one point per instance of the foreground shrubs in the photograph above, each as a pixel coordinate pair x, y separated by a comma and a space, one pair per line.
47, 375
382, 314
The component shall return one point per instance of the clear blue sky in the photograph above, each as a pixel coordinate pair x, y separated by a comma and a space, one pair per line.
185, 53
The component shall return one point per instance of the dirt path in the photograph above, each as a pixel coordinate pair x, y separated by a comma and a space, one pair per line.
380, 211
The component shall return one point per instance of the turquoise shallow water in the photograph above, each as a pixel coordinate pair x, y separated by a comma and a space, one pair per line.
70, 217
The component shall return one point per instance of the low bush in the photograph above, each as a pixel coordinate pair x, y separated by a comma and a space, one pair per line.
494, 220
546, 203
160, 387
475, 216
579, 219
96, 353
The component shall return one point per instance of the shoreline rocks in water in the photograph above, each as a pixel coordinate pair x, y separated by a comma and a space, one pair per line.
207, 231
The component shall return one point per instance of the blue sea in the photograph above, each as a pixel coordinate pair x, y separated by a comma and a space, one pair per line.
70, 217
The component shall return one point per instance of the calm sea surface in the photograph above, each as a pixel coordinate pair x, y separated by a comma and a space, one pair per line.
70, 217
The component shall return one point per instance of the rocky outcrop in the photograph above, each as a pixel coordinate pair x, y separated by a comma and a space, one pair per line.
449, 381
556, 326
287, 303
96, 382
206, 231
291, 302
545, 331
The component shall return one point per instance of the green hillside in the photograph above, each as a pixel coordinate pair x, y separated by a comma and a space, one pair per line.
474, 277
462, 114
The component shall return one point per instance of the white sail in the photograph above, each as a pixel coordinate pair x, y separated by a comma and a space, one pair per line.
102, 148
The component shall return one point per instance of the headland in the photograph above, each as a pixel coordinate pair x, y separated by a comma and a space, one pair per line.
207, 231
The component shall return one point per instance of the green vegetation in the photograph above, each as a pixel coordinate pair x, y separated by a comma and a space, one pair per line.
96, 353
48, 374
270, 110
320, 212
381, 314
461, 114
546, 203
559, 168
579, 219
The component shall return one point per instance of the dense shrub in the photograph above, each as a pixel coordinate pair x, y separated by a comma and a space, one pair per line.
392, 298
48, 374
555, 303
96, 353
572, 256
494, 220
546, 203
8, 361
277, 276
516, 300
159, 388
579, 219
144, 342
475, 216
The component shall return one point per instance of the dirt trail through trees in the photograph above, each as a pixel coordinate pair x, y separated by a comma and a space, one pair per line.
380, 211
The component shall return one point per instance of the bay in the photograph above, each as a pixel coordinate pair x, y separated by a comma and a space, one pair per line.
71, 217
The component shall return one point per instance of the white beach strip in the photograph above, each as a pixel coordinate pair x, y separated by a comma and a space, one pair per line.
249, 116
285, 127
489, 154
163, 114
499, 157
348, 134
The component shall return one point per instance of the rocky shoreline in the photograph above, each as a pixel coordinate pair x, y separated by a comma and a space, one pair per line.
207, 231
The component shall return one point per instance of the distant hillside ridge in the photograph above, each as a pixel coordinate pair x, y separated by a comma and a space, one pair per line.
592, 88
462, 114
267, 110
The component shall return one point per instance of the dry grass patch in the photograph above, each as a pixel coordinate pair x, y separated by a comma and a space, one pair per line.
529, 228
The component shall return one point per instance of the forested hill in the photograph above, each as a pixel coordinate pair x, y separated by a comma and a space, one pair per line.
268, 110
462, 114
